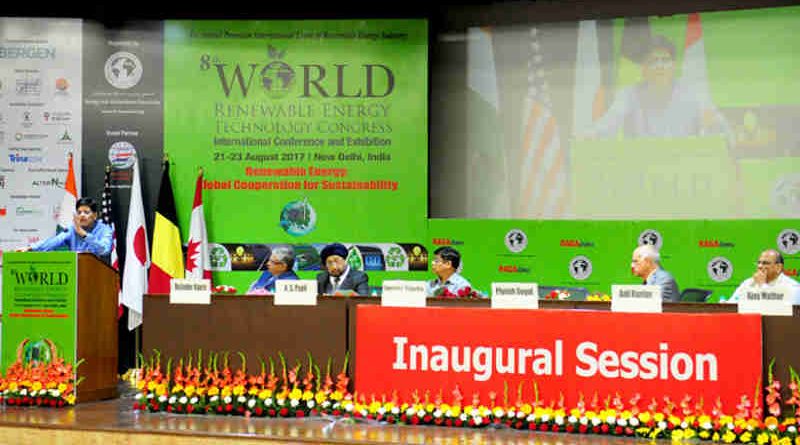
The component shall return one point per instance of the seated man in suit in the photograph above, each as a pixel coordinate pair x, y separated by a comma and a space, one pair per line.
337, 275
87, 234
279, 267
646, 264
769, 273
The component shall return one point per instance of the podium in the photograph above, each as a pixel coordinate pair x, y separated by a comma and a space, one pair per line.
62, 304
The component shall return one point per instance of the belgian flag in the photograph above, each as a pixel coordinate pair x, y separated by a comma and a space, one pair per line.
167, 257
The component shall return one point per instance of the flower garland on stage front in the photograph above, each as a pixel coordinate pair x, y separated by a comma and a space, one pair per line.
213, 388
50, 384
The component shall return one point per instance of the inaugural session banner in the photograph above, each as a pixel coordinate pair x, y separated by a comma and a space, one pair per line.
308, 131
562, 351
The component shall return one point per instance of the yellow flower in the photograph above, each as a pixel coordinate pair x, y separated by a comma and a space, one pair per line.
51, 385
658, 417
677, 435
762, 438
151, 385
70, 399
213, 391
644, 417
252, 391
729, 437
674, 420
746, 437
704, 434
226, 391
12, 386
725, 419
336, 396
308, 395
456, 410
264, 394
36, 386
703, 419
715, 437
320, 397
797, 440
296, 394
688, 433
201, 390
177, 388
139, 385
62, 387
238, 390
161, 389
189, 390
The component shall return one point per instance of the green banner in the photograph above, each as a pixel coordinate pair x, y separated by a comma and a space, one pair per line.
308, 131
39, 307
590, 256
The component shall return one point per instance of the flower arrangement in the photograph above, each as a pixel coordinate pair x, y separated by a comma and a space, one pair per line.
212, 388
50, 384
557, 294
464, 292
598, 297
223, 289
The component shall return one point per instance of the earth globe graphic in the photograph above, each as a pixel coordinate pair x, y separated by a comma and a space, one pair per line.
277, 77
123, 68
298, 218
37, 352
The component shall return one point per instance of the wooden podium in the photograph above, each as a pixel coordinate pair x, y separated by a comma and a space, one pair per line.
62, 304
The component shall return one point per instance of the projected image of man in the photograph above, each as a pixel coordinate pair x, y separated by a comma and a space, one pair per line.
661, 105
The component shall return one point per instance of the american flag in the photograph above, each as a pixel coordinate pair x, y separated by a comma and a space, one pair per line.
543, 179
107, 217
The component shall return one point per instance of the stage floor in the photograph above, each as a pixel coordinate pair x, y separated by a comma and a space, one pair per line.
115, 422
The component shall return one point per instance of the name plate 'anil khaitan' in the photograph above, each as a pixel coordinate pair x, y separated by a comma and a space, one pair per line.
765, 301
295, 293
189, 291
402, 293
515, 296
635, 298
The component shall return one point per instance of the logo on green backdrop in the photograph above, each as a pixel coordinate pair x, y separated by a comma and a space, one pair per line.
516, 240
580, 267
651, 237
789, 241
720, 269
298, 218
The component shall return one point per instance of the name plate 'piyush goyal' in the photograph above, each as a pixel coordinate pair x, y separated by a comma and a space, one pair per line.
515, 296
765, 301
295, 293
189, 291
401, 293
635, 298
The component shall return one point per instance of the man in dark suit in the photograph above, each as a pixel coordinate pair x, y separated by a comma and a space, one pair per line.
338, 276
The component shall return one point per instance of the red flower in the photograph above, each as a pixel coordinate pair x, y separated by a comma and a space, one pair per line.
414, 420
284, 412
570, 428
583, 429
618, 430
555, 428
604, 428
300, 413
459, 422
543, 427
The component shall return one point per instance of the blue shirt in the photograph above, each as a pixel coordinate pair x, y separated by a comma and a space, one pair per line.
453, 284
97, 241
266, 282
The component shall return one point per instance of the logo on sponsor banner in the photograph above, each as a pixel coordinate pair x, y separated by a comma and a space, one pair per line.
395, 258
24, 211
25, 159
121, 154
3, 211
56, 117
62, 84
52, 182
65, 138
27, 119
516, 240
123, 70
3, 182
29, 136
511, 268
786, 195
720, 269
29, 86
219, 258
27, 51
298, 218
417, 256
276, 77
789, 241
580, 267
709, 243
651, 237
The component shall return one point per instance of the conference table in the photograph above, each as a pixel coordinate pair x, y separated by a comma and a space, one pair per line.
255, 326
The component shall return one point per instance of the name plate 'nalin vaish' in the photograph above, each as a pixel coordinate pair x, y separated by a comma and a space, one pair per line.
635, 298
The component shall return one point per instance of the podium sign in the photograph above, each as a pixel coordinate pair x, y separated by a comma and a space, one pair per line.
39, 307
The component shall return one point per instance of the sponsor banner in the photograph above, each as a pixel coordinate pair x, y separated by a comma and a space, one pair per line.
40, 121
416, 350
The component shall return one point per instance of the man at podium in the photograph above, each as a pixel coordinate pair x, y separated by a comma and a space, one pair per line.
769, 273
87, 234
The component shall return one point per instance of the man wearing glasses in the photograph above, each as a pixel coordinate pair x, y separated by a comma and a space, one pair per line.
87, 234
280, 266
769, 273
448, 282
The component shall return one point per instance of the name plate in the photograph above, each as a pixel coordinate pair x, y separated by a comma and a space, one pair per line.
401, 293
635, 298
189, 291
515, 296
766, 301
295, 293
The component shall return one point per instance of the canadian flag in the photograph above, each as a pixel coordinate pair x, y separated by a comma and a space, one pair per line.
197, 260
137, 257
